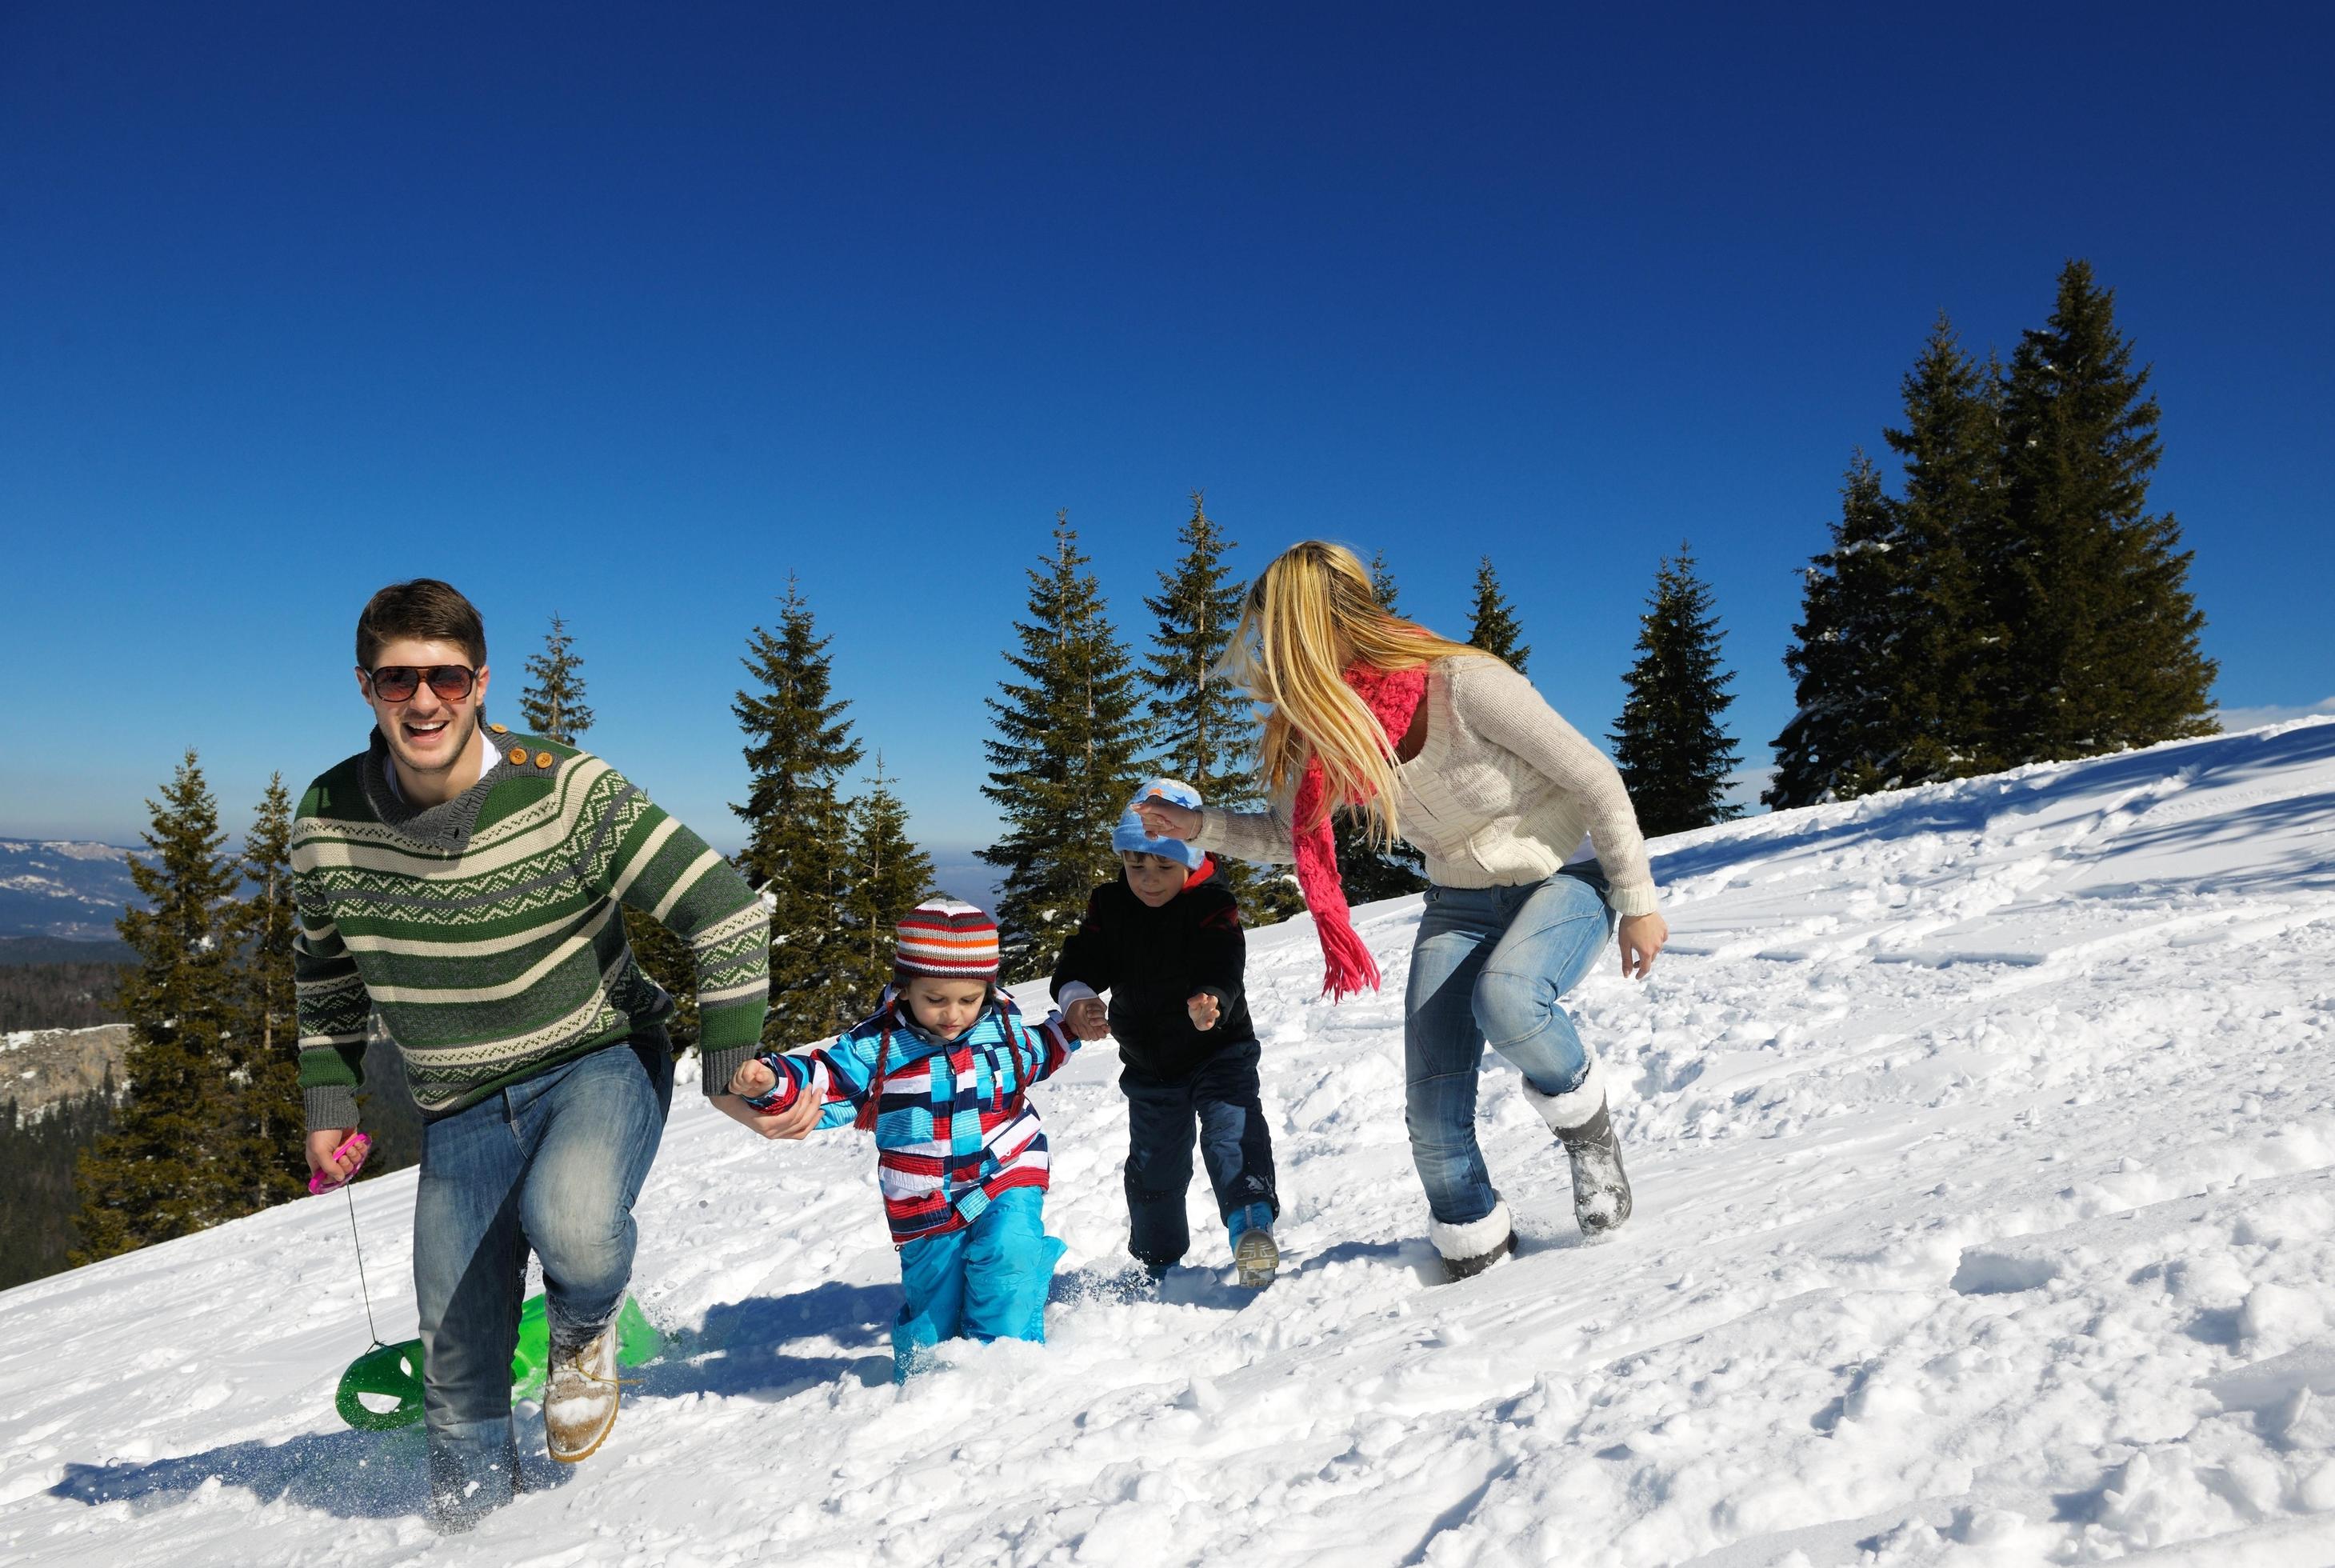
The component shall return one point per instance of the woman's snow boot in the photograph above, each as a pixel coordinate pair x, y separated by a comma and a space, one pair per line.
1468, 1249
1601, 1187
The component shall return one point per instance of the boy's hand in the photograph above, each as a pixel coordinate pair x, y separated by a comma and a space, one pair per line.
1202, 1006
752, 1079
1088, 1017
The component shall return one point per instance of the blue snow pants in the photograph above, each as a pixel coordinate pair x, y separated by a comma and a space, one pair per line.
985, 1282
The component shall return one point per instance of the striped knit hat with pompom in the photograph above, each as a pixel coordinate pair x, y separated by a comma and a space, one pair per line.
949, 940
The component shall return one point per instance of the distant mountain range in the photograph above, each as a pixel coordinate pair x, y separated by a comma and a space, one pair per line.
62, 888
74, 891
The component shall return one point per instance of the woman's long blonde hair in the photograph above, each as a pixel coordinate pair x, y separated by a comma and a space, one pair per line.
1310, 614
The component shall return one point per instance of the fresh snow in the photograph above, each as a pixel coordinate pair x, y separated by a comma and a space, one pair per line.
1984, 1143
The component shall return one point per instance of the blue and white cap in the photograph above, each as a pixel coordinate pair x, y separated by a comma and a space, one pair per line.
1129, 835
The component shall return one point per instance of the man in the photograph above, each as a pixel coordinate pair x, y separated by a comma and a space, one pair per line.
465, 881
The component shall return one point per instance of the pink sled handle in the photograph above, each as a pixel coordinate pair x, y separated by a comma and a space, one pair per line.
357, 1144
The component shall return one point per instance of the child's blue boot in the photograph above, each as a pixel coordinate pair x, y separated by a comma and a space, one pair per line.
1255, 1255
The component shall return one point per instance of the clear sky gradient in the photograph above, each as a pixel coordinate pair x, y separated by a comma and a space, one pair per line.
628, 312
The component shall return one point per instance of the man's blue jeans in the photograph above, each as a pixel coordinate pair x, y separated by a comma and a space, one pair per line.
552, 1165
1487, 968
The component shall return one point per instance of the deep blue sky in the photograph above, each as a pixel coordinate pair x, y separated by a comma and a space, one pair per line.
626, 312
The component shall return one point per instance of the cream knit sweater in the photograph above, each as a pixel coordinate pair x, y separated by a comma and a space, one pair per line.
1501, 793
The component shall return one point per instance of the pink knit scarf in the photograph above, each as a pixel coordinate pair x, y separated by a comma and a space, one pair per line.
1393, 697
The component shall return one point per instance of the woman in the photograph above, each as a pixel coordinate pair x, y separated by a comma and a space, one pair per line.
1446, 747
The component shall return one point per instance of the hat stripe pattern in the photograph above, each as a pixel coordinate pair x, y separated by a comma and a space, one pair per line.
949, 939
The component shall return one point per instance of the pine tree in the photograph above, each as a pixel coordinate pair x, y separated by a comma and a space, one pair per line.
1201, 726
888, 876
1494, 628
553, 706
2102, 650
1067, 757
1673, 752
667, 960
1366, 872
799, 747
1950, 445
262, 1140
158, 1172
1839, 744
1382, 582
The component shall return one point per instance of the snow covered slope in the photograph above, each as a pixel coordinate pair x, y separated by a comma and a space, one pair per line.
1984, 1138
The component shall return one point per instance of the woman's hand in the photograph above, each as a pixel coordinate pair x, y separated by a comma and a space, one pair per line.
1087, 1018
1202, 1006
794, 1122
1166, 819
1642, 937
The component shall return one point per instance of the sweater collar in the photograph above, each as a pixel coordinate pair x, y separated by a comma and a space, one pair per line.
446, 826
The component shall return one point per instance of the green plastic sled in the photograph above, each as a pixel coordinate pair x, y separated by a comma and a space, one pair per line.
394, 1372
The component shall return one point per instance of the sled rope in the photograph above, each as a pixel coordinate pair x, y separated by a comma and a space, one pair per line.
362, 1289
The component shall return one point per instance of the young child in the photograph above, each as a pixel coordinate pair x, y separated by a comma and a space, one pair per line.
940, 1075
1164, 941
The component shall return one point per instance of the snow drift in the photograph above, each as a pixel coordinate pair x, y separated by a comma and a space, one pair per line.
1983, 1136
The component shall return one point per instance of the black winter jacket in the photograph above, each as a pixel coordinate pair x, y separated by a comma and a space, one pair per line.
1151, 961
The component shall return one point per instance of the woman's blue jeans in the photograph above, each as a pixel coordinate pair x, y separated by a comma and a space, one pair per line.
1488, 968
549, 1164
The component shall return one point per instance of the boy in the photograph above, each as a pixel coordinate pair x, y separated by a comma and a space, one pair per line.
1164, 941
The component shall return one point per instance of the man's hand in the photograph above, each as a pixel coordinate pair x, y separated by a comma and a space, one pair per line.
1202, 1006
321, 1145
1642, 937
1087, 1018
1165, 820
752, 1079
791, 1123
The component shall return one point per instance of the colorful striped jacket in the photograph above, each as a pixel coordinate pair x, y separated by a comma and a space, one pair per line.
953, 1121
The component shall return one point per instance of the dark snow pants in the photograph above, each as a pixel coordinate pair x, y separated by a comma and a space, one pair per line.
1235, 1145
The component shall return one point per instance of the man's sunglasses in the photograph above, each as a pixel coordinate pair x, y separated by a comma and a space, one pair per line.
397, 682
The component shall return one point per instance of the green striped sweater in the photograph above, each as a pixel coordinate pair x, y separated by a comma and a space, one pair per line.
487, 929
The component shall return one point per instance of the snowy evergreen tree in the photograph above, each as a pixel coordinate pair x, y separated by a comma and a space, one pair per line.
2102, 652
1067, 756
553, 706
160, 1173
888, 876
1672, 749
262, 1141
1942, 627
1493, 627
798, 746
1841, 743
